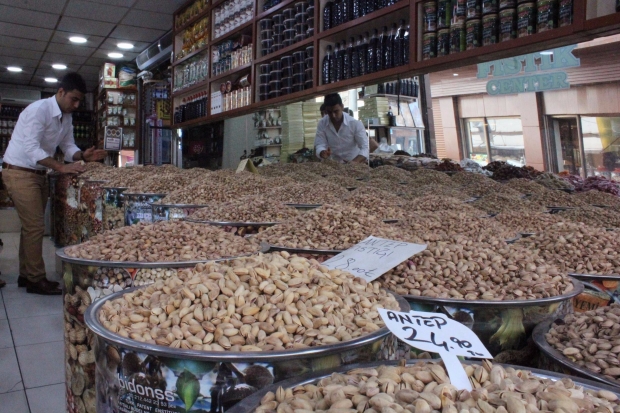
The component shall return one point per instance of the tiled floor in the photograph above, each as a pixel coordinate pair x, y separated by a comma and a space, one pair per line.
31, 339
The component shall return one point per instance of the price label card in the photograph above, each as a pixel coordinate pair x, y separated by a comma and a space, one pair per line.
373, 257
435, 332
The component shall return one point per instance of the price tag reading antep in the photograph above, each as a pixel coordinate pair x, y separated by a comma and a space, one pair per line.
435, 332
373, 257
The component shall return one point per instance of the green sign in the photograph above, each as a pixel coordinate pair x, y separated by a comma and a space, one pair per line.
530, 66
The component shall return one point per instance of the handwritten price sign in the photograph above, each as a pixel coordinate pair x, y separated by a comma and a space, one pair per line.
437, 333
373, 257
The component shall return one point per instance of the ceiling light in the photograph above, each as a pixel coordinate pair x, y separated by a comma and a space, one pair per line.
14, 69
59, 66
455, 74
125, 46
77, 39
115, 55
51, 80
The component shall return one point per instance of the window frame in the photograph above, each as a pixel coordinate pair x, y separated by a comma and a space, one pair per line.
467, 144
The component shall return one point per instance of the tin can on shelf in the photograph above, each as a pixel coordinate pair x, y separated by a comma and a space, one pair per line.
457, 38
474, 9
429, 46
565, 13
430, 16
526, 19
490, 26
443, 42
473, 36
489, 6
459, 11
444, 14
507, 24
546, 17
507, 4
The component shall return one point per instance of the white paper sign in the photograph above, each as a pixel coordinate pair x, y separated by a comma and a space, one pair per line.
436, 333
373, 257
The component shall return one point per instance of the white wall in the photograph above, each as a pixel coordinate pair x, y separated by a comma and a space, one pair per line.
239, 135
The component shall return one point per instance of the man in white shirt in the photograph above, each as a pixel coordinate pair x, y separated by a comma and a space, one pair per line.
41, 128
340, 136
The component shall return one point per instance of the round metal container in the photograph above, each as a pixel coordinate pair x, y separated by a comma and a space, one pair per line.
138, 207
90, 211
601, 291
501, 325
251, 403
65, 200
130, 372
113, 207
86, 281
552, 360
173, 212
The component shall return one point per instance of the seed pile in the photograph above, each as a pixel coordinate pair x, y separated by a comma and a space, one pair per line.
390, 185
424, 387
269, 302
246, 209
590, 339
526, 221
162, 241
330, 227
466, 270
482, 187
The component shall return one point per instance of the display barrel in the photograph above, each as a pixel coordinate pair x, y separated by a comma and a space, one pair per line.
65, 202
140, 377
251, 403
85, 282
138, 207
173, 212
552, 360
113, 208
90, 211
501, 325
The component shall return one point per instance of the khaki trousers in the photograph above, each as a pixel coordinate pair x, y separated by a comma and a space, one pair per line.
29, 193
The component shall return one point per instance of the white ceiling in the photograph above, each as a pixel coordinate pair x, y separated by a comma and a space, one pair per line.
34, 34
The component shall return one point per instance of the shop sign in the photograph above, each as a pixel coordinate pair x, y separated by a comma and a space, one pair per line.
531, 65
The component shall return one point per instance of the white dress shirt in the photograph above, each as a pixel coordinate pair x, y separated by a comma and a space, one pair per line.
41, 128
346, 144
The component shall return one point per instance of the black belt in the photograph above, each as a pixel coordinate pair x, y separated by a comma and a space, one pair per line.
19, 168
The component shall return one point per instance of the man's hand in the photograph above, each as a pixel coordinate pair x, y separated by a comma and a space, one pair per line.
92, 154
72, 168
359, 159
326, 153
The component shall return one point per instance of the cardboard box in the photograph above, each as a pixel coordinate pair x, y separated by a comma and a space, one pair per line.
108, 83
108, 70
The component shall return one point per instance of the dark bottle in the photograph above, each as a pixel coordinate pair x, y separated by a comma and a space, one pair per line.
355, 8
328, 67
348, 59
338, 56
379, 4
398, 44
382, 48
388, 53
363, 54
337, 13
416, 89
404, 44
373, 47
328, 15
355, 58
345, 11
183, 111
371, 5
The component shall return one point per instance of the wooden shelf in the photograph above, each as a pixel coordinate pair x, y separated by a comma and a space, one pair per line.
286, 50
191, 21
192, 54
371, 78
385, 95
192, 88
287, 98
232, 72
213, 118
232, 33
274, 9
609, 24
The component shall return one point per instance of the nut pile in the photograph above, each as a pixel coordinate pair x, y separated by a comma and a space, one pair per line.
553, 181
345, 181
465, 270
577, 248
590, 339
424, 387
307, 193
526, 186
555, 199
162, 241
526, 221
594, 197
162, 183
205, 192
432, 203
494, 203
145, 276
483, 187
265, 303
594, 216
246, 209
389, 185
434, 189
431, 177
330, 227
375, 205
390, 172
393, 199
465, 178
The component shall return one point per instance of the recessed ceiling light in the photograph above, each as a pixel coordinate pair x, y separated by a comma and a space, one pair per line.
125, 46
77, 39
51, 80
14, 69
59, 66
115, 55
455, 74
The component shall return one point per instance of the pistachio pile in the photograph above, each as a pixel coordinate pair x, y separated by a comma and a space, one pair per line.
526, 221
162, 241
391, 173
424, 387
497, 202
479, 188
577, 248
555, 199
590, 339
393, 199
466, 178
390, 185
330, 227
375, 205
466, 270
594, 197
164, 182
433, 203
593, 216
431, 177
435, 189
246, 209
345, 181
268, 302
553, 181
307, 193
525, 186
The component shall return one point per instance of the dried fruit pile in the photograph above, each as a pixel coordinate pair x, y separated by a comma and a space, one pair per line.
246, 209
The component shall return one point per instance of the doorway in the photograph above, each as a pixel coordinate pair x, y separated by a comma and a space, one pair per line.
568, 149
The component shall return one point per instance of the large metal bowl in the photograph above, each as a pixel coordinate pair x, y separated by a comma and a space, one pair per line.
553, 360
172, 212
251, 403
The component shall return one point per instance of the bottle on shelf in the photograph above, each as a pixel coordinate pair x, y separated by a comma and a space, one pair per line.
337, 13
339, 61
363, 54
328, 15
373, 48
348, 54
404, 43
355, 57
345, 11
355, 8
398, 45
382, 49
389, 50
328, 66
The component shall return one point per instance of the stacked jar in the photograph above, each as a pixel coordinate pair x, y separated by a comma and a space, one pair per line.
291, 26
473, 26
232, 14
230, 54
429, 29
507, 20
457, 24
490, 22
289, 74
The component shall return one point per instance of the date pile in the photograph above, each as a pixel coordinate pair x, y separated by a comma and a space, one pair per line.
424, 387
162, 241
246, 209
265, 303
